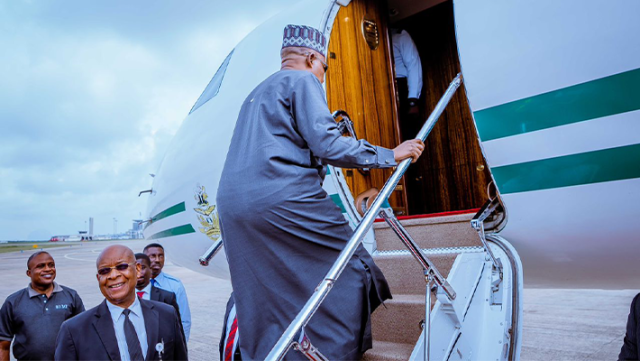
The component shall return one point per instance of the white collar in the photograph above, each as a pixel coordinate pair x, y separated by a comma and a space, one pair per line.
147, 289
116, 310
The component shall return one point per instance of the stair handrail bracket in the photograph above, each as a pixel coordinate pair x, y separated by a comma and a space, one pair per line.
477, 223
280, 349
431, 272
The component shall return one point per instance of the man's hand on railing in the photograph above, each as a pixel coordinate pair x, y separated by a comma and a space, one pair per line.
408, 149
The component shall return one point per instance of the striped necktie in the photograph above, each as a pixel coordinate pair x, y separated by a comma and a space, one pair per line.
228, 351
133, 343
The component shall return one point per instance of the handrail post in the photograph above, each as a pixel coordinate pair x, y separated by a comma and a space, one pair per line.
477, 223
431, 272
427, 317
284, 343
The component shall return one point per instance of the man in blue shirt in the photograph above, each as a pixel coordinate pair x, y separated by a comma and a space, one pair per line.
32, 316
167, 282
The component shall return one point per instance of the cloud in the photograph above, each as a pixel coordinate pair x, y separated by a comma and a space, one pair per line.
92, 94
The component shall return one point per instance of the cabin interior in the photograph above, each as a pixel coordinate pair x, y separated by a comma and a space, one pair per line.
452, 174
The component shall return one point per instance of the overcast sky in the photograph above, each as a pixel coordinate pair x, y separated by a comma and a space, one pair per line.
91, 93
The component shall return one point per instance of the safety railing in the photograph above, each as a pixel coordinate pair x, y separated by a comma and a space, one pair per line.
285, 342
477, 223
211, 252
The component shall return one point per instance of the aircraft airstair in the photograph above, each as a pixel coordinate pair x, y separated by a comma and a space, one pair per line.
397, 325
471, 281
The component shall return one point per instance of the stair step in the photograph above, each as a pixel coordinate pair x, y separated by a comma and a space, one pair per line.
405, 275
388, 351
396, 325
399, 319
432, 232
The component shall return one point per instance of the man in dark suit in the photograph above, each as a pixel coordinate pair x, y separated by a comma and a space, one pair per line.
146, 291
123, 327
629, 349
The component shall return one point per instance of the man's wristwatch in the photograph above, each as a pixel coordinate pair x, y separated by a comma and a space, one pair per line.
413, 102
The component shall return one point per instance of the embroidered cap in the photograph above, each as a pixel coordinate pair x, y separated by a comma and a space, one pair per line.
304, 36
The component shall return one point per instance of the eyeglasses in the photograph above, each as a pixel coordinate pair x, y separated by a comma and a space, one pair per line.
120, 268
325, 66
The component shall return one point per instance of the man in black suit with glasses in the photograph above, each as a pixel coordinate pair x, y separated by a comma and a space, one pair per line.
123, 327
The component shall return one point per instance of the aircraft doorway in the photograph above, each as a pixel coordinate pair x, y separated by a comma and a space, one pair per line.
451, 175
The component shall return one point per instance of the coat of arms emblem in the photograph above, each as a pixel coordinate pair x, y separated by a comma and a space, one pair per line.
207, 214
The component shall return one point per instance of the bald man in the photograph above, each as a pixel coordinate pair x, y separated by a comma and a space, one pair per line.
123, 327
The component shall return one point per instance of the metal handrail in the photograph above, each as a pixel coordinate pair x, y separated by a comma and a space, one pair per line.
433, 277
210, 253
347, 126
428, 267
477, 223
284, 343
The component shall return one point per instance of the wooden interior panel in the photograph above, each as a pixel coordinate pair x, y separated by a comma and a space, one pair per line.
451, 174
360, 81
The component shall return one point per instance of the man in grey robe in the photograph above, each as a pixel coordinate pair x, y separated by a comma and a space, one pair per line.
281, 231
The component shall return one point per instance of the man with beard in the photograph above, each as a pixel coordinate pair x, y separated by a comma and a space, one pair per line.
167, 282
32, 316
123, 327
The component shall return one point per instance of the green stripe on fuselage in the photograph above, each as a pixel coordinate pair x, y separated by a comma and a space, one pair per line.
584, 168
176, 231
336, 199
169, 212
594, 99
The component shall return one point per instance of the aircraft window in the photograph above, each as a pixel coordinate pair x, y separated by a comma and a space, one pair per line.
214, 85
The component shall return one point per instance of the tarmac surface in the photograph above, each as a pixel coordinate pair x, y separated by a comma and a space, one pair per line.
558, 324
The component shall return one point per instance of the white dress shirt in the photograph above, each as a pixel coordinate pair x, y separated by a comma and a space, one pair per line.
169, 283
147, 292
137, 319
407, 59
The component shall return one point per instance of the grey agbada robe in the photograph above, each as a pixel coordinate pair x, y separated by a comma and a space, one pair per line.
282, 232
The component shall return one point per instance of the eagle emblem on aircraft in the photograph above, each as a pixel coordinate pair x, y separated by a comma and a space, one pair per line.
207, 214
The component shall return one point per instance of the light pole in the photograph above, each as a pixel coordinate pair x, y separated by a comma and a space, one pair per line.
115, 227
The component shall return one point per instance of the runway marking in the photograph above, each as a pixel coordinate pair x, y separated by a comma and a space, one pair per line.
67, 256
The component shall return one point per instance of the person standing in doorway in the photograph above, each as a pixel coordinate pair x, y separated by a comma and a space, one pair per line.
409, 79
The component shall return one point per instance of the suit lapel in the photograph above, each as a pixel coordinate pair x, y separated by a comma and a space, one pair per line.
105, 329
155, 294
152, 324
